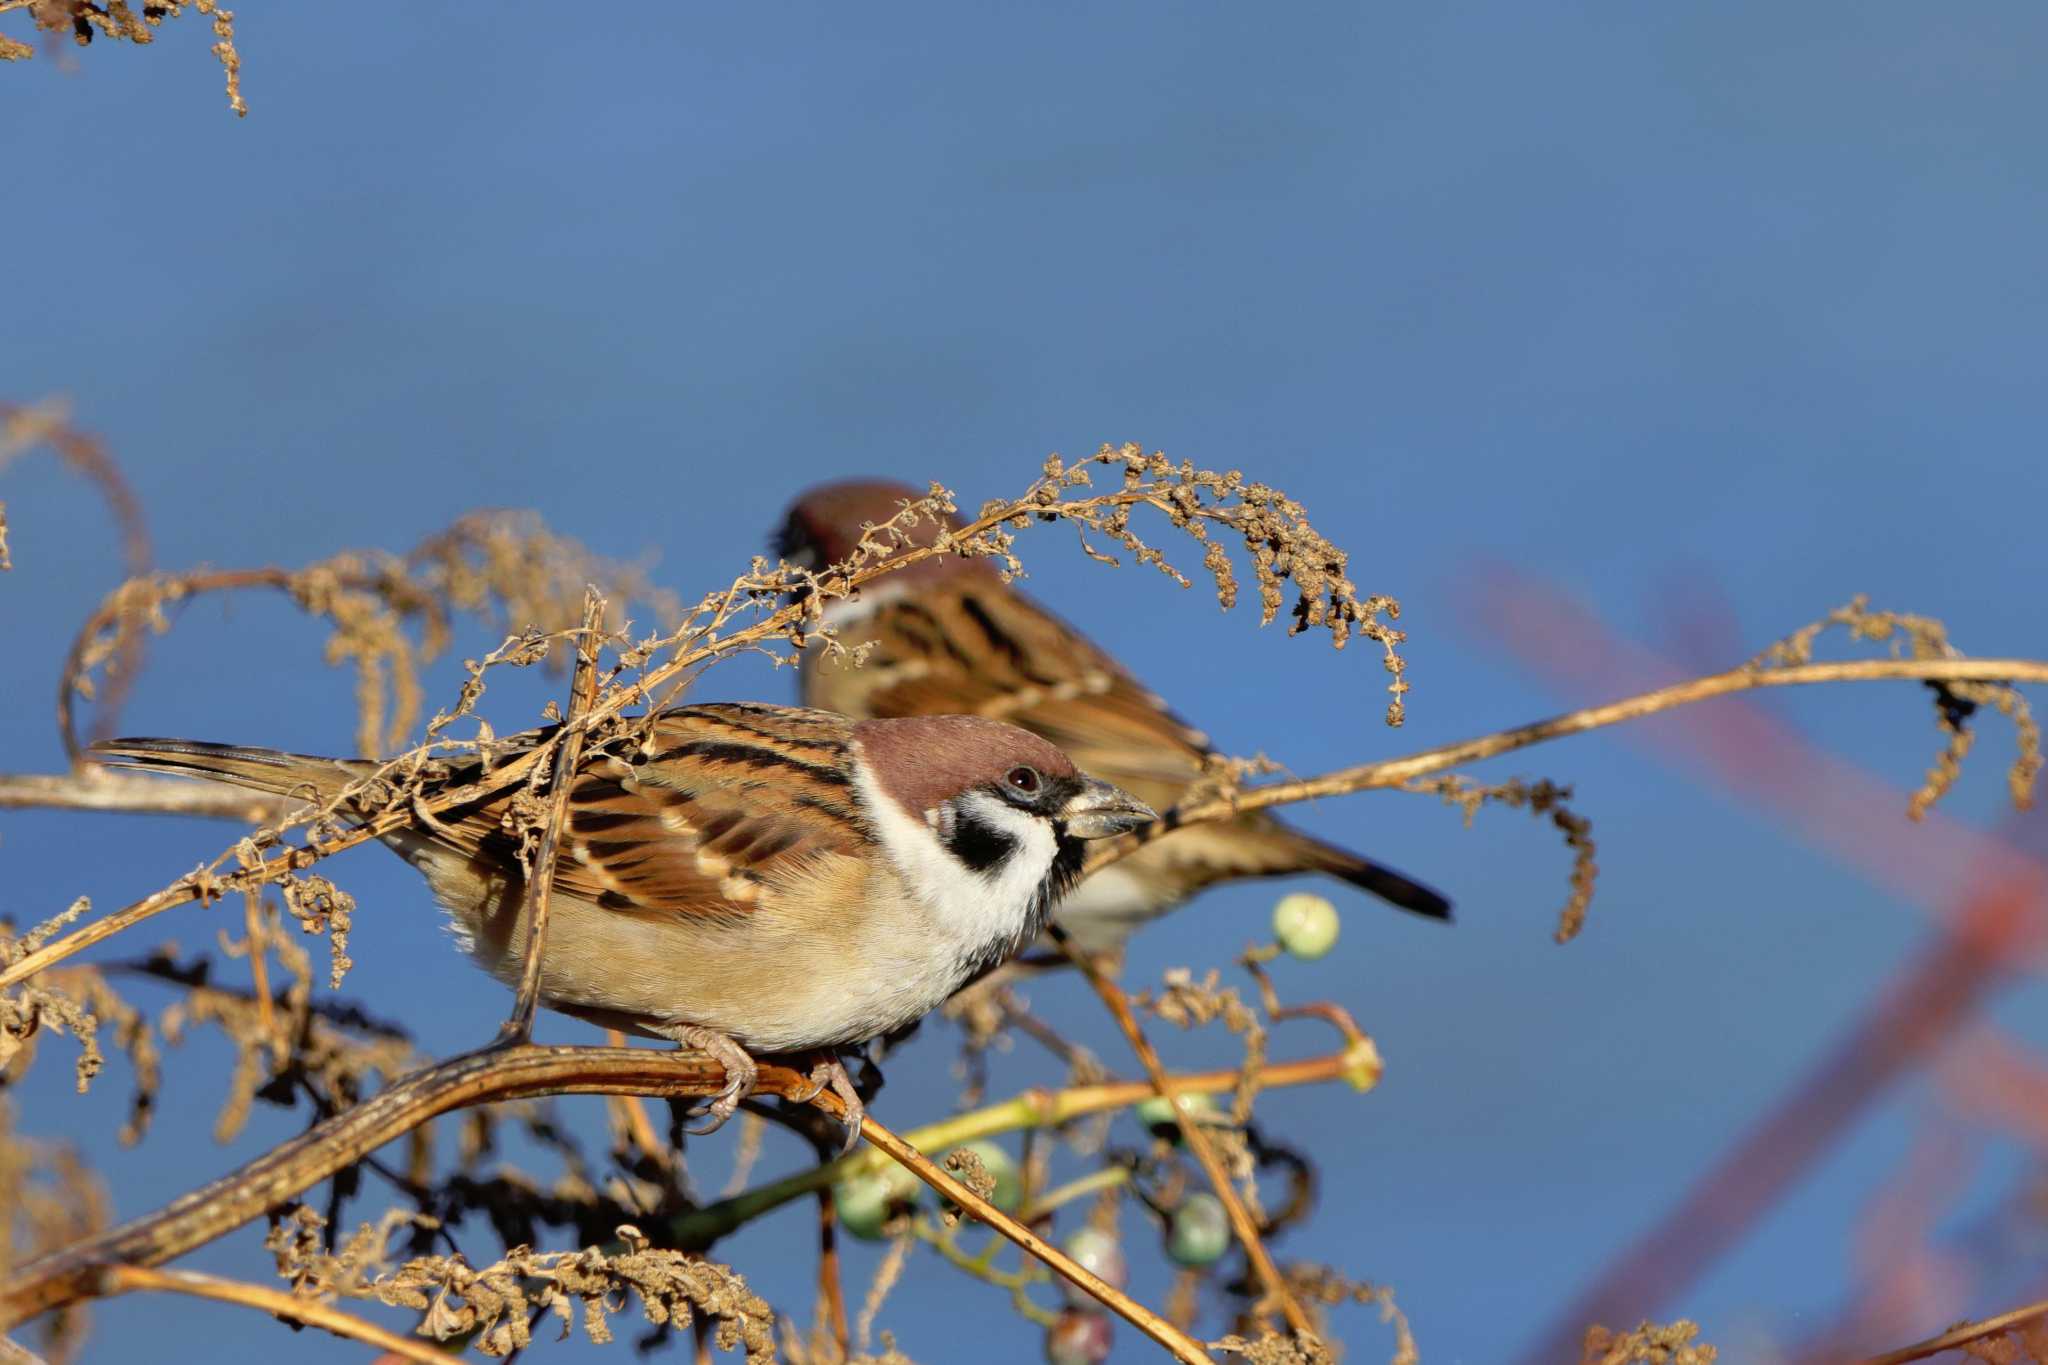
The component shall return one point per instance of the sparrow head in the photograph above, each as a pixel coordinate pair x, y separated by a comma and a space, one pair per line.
980, 813
824, 526
928, 765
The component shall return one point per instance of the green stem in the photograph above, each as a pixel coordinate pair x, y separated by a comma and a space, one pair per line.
698, 1229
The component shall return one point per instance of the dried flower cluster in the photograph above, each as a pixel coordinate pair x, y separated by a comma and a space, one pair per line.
117, 20
1208, 1184
498, 1304
1538, 798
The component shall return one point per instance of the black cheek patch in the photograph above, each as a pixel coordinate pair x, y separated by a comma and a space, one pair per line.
981, 846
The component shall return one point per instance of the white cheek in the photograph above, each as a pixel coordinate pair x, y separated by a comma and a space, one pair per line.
966, 909
1015, 881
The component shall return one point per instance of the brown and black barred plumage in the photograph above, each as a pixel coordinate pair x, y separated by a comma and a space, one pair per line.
948, 635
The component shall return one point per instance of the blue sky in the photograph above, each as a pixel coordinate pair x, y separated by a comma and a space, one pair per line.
1745, 297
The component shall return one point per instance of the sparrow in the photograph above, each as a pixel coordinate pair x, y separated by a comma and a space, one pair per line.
746, 878
947, 634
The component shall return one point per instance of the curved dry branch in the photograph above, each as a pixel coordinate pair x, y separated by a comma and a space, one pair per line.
503, 1073
1963, 1334
487, 1075
1176, 1342
122, 1279
1393, 772
1242, 1225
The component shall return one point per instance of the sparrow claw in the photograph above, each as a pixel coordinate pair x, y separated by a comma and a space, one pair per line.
831, 1072
741, 1073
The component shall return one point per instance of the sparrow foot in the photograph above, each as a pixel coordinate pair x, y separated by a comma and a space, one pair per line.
741, 1074
831, 1072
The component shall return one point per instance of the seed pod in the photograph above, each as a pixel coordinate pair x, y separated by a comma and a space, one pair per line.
1098, 1253
1078, 1338
1199, 1232
866, 1202
1306, 925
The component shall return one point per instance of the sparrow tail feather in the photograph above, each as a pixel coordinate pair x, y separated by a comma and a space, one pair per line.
1395, 888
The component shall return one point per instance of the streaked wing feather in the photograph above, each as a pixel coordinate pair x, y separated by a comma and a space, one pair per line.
727, 800
999, 654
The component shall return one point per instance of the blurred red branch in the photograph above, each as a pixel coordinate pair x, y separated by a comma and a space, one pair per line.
1939, 989
1837, 805
1738, 744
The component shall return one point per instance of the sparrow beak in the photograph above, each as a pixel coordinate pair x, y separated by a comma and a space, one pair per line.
1099, 810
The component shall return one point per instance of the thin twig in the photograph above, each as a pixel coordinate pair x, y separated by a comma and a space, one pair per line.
700, 1228
1363, 777
1095, 1182
122, 1279
13, 1353
492, 1074
289, 1169
1241, 1221
259, 972
632, 1116
98, 789
1183, 1347
1962, 1334
582, 693
1393, 772
831, 1296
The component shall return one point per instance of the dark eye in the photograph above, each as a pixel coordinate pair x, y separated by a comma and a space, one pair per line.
1022, 779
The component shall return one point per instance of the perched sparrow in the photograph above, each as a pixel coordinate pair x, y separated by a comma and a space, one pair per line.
948, 635
750, 877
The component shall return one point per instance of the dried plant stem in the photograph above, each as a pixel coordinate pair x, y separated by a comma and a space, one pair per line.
122, 1279
1095, 1182
104, 791
1183, 1347
192, 888
504, 1073
540, 881
1032, 1109
1393, 772
1962, 1334
287, 1170
1363, 777
1242, 1223
632, 1116
831, 1297
259, 970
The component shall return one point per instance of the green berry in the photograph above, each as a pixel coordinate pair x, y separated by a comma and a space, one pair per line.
1306, 925
1157, 1113
1078, 1338
867, 1202
1009, 1190
1199, 1232
1098, 1253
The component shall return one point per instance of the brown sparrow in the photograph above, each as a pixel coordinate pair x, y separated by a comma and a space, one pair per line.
948, 635
750, 877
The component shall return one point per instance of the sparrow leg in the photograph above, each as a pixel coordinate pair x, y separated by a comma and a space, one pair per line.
740, 1071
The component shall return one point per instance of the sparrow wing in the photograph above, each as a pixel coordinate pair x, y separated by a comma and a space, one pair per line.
719, 803
990, 651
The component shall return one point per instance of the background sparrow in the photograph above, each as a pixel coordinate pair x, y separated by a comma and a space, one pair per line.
948, 635
739, 877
